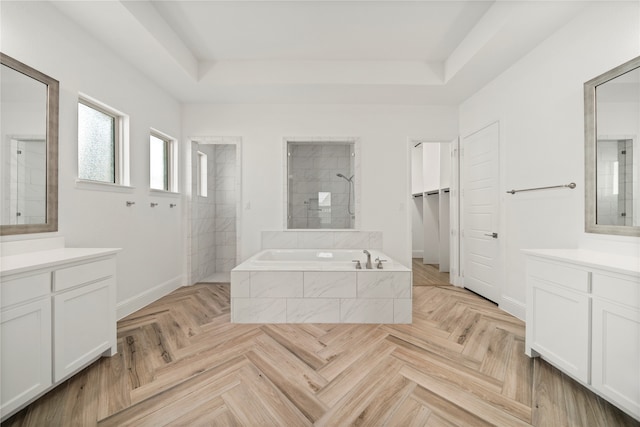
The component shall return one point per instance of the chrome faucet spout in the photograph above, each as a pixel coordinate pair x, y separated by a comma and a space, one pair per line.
368, 264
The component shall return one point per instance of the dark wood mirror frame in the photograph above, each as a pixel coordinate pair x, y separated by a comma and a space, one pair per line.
53, 88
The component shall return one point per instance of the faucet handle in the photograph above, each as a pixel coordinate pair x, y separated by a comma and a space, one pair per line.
380, 261
358, 265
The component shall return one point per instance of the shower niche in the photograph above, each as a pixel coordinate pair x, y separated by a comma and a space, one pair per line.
322, 184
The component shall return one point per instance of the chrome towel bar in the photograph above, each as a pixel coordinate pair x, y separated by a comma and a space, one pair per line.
571, 185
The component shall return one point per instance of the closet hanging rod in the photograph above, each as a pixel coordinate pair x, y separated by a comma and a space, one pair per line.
571, 185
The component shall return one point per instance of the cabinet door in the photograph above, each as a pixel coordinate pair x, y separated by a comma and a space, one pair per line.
84, 323
26, 353
616, 354
558, 327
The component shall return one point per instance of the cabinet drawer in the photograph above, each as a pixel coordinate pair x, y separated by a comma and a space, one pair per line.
572, 278
85, 273
621, 289
15, 291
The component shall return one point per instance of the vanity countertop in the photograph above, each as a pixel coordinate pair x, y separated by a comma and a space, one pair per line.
14, 264
616, 263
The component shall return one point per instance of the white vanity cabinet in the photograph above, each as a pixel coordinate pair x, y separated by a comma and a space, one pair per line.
83, 314
615, 363
58, 315
25, 333
583, 316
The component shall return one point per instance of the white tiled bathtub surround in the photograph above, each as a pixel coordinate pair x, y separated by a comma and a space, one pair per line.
278, 239
319, 286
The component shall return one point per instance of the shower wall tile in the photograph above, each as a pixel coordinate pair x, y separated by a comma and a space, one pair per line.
314, 169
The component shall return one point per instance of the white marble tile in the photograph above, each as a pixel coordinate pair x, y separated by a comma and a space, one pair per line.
376, 284
351, 240
402, 284
366, 311
276, 284
315, 239
402, 310
329, 284
375, 239
279, 239
259, 310
314, 310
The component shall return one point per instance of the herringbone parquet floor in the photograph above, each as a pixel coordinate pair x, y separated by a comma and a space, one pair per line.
180, 362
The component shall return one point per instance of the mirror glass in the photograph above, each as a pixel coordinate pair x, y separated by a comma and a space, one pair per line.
617, 125
321, 185
28, 150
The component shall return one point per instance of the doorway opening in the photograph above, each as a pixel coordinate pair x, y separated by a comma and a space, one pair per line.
213, 229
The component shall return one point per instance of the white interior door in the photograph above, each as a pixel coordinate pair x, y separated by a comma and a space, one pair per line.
480, 208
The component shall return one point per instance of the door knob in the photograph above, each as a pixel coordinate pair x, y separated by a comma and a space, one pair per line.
494, 235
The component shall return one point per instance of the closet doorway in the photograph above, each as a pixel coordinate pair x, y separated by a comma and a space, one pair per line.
213, 235
431, 204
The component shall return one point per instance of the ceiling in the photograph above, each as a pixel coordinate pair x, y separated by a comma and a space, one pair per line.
329, 52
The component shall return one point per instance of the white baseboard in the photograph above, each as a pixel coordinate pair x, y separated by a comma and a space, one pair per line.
417, 254
513, 307
130, 305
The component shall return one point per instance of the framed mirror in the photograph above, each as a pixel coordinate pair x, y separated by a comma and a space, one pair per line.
612, 153
322, 185
28, 150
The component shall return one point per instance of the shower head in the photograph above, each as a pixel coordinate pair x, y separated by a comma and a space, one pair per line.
342, 176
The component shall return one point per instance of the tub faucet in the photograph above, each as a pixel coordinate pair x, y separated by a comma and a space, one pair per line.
368, 264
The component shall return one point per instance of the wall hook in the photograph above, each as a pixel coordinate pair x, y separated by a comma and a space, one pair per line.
153, 205
172, 205
130, 203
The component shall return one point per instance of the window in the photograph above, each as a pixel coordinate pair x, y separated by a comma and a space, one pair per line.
202, 174
162, 162
100, 143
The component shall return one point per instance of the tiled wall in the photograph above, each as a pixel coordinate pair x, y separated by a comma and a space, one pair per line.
205, 220
313, 169
321, 296
213, 218
322, 240
225, 199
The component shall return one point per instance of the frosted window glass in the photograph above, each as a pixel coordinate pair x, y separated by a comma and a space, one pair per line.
202, 175
96, 145
158, 164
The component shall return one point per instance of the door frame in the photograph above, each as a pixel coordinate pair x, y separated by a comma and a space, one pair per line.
454, 200
500, 267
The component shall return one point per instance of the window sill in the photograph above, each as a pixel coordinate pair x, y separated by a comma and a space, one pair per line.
85, 184
153, 192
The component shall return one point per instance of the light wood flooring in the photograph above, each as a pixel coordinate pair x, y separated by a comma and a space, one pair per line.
461, 363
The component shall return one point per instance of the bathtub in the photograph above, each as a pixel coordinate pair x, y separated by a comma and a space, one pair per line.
319, 286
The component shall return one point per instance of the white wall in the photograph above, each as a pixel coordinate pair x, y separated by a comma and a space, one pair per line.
151, 260
384, 132
539, 103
